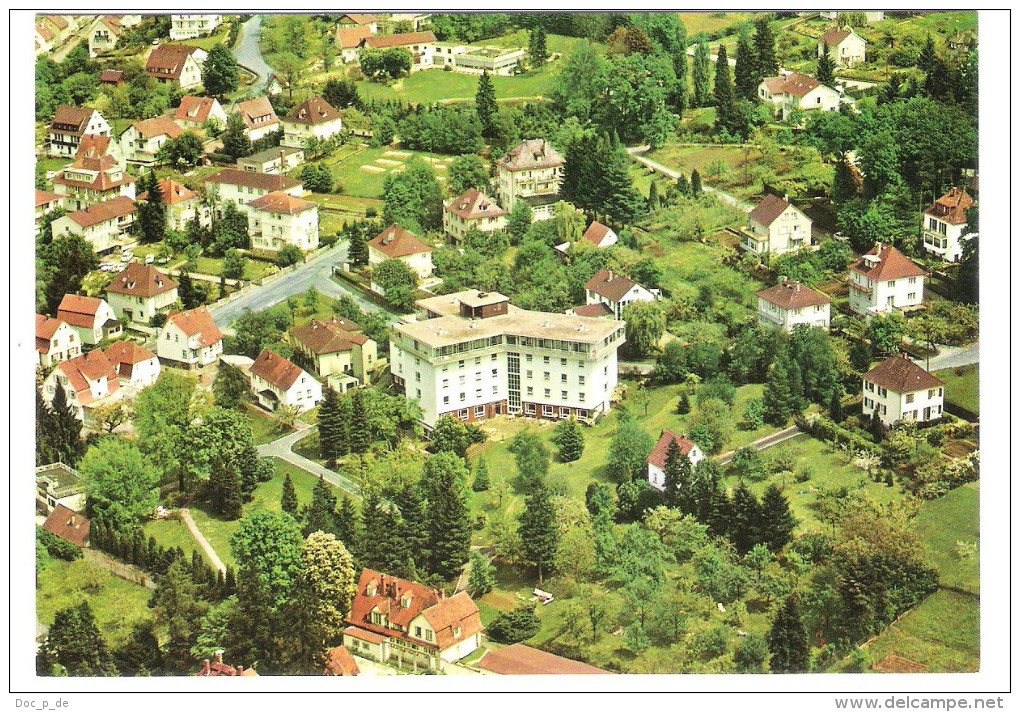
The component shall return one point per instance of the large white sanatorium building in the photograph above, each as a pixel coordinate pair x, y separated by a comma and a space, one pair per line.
475, 355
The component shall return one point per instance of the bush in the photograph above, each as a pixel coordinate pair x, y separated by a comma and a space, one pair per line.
514, 626
288, 255
718, 387
56, 547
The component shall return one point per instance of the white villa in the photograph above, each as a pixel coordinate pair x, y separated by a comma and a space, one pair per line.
396, 243
944, 223
86, 381
140, 292
93, 319
885, 279
775, 226
898, 389
142, 140
532, 171
68, 126
797, 91
845, 46
194, 111
231, 185
277, 219
135, 365
104, 225
55, 341
790, 303
615, 291
279, 382
190, 338
657, 458
312, 118
472, 210
182, 205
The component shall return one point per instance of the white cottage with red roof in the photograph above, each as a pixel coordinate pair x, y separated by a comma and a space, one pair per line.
790, 303
797, 91
55, 341
176, 64
97, 174
69, 124
190, 337
91, 318
143, 139
135, 365
845, 47
103, 225
944, 223
194, 111
278, 381
86, 380
259, 117
395, 619
140, 292
657, 458
899, 389
313, 118
532, 171
277, 219
472, 210
396, 243
615, 292
884, 279
775, 226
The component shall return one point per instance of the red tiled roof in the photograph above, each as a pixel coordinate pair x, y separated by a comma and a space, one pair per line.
194, 108
407, 38
218, 668
277, 370
792, 295
256, 108
770, 208
101, 183
43, 197
158, 126
171, 191
835, 35
167, 60
113, 22
520, 659
138, 280
328, 337
531, 155
44, 32
57, 21
952, 207
340, 662
77, 310
349, 37
68, 525
248, 179
87, 368
610, 285
792, 84
101, 212
892, 264
314, 110
596, 310
366, 635
395, 242
127, 352
901, 375
473, 204
658, 454
196, 322
361, 19
76, 118
596, 233
280, 202
454, 619
111, 76
45, 328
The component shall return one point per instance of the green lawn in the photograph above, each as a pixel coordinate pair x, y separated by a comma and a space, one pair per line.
361, 171
54, 164
962, 386
253, 269
264, 428
210, 41
696, 22
117, 604
942, 523
171, 533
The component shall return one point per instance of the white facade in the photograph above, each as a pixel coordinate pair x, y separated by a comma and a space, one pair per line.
637, 293
141, 149
420, 262
242, 195
846, 53
943, 239
295, 133
65, 344
144, 373
186, 27
816, 315
95, 332
174, 345
303, 394
788, 232
868, 296
271, 229
103, 236
821, 98
139, 310
918, 406
657, 475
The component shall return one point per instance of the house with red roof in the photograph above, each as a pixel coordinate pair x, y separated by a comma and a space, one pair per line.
898, 389
349, 41
45, 38
396, 243
86, 380
140, 292
312, 118
472, 210
135, 365
337, 351
531, 171
90, 317
884, 279
111, 77
775, 226
231, 185
414, 624
277, 219
279, 382
259, 117
597, 235
97, 174
45, 203
69, 525
69, 124
797, 91
177, 64
142, 140
790, 303
190, 338
521, 659
340, 662
217, 668
103, 34
194, 111
182, 205
353, 19
104, 225
657, 458
845, 47
615, 292
944, 223
421, 45
55, 341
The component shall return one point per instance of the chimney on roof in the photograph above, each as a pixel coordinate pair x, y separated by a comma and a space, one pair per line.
205, 667
610, 278
219, 656
240, 669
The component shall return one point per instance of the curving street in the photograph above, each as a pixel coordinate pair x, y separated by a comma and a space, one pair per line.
247, 53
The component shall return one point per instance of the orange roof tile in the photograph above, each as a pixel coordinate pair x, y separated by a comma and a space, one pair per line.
396, 242
256, 112
77, 310
901, 375
520, 659
139, 280
277, 370
658, 454
349, 37
158, 126
194, 108
196, 322
172, 192
952, 207
891, 264
311, 111
280, 202
328, 337
793, 84
88, 368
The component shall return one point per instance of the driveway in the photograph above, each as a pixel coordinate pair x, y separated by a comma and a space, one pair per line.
247, 53
636, 152
952, 357
281, 448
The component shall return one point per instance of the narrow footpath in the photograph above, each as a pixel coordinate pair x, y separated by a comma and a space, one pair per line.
764, 443
210, 552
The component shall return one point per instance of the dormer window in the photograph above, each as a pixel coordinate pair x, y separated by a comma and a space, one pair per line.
370, 591
405, 601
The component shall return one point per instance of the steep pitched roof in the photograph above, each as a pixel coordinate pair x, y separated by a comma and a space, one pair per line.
596, 233
520, 659
93, 154
531, 155
407, 38
770, 208
45, 328
77, 310
127, 352
111, 209
891, 264
340, 662
454, 619
328, 337
360, 19
395, 242
277, 370
311, 111
158, 126
901, 375
139, 280
473, 204
248, 179
71, 119
349, 37
793, 84
196, 322
792, 295
68, 525
254, 109
834, 35
43, 197
81, 370
167, 60
952, 207
280, 202
658, 454
610, 285
595, 310
195, 108
171, 192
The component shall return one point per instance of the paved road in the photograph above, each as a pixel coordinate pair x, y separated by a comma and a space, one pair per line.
281, 448
210, 552
247, 52
316, 272
636, 153
764, 443
952, 357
